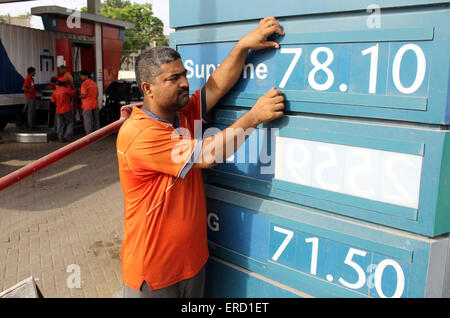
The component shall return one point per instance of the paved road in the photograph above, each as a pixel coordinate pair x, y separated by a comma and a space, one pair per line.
68, 213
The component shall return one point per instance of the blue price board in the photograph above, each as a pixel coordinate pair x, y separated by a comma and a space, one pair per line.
360, 68
323, 256
397, 72
332, 199
394, 175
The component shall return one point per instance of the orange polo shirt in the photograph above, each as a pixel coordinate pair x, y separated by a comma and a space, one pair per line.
68, 79
29, 83
61, 96
89, 87
165, 214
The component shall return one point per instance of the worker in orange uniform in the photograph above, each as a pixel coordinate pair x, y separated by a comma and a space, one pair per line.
164, 250
30, 96
68, 78
64, 117
89, 103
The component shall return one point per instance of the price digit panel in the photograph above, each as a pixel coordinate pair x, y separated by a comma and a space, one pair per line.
323, 256
395, 72
394, 175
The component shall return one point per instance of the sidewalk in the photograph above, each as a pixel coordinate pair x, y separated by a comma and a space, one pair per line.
68, 213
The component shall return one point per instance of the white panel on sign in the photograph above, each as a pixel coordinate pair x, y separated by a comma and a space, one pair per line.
362, 166
327, 160
378, 175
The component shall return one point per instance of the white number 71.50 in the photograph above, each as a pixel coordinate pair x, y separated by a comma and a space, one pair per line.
361, 280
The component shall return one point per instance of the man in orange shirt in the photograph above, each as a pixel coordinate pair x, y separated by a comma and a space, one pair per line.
164, 248
89, 103
64, 117
68, 78
30, 96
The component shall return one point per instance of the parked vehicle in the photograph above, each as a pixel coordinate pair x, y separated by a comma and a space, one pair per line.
21, 48
119, 93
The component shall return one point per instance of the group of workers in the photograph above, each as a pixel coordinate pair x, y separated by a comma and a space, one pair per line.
65, 99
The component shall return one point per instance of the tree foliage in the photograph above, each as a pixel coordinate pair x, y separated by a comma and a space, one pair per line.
147, 28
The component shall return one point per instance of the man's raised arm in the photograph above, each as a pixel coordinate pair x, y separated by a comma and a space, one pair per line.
227, 74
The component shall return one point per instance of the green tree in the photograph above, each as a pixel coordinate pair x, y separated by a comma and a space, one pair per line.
147, 28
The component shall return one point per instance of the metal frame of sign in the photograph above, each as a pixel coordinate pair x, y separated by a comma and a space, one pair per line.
213, 12
238, 282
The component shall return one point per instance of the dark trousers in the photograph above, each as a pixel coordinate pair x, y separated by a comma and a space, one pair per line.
193, 287
64, 126
30, 106
91, 120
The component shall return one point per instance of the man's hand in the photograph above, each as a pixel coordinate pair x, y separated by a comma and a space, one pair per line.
125, 111
257, 39
227, 74
216, 148
268, 107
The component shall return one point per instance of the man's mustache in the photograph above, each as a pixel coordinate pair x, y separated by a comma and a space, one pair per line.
183, 90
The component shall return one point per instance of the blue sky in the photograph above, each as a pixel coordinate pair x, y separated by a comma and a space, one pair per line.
160, 9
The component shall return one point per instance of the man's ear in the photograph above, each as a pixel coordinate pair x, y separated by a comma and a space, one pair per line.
146, 88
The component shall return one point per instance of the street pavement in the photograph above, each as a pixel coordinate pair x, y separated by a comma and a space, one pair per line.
63, 225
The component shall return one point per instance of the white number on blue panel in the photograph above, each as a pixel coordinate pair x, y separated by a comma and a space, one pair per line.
321, 67
356, 269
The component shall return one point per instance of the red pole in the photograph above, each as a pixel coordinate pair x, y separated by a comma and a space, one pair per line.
56, 155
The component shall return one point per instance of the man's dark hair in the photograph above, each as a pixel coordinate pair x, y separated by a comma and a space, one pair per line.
86, 73
30, 70
148, 63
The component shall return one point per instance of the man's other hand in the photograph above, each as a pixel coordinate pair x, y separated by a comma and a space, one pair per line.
257, 39
268, 107
125, 111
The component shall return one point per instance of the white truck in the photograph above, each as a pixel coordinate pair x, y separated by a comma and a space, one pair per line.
20, 48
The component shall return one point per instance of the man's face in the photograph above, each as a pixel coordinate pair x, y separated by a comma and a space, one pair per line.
83, 77
33, 73
170, 89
